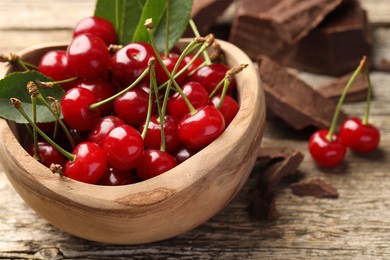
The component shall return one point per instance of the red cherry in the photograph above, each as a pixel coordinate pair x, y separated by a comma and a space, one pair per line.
89, 165
88, 56
124, 147
102, 90
196, 94
47, 154
132, 106
229, 108
210, 75
326, 153
183, 153
54, 64
170, 63
102, 127
362, 138
197, 62
155, 162
128, 63
201, 128
153, 135
115, 177
98, 27
75, 109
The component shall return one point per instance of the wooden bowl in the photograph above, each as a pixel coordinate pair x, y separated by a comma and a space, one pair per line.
159, 208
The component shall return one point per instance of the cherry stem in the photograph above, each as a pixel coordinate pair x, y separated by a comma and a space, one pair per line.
150, 100
41, 98
35, 134
167, 29
369, 95
18, 105
50, 84
149, 26
197, 34
120, 93
224, 91
332, 128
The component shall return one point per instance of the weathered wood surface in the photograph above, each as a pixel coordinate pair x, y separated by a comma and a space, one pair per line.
354, 226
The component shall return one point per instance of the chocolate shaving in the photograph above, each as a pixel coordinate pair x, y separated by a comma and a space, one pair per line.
283, 162
314, 187
292, 100
357, 91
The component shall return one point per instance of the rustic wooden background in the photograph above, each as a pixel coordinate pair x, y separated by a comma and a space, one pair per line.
354, 226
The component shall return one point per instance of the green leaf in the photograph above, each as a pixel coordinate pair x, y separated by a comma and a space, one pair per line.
179, 15
123, 14
152, 9
14, 86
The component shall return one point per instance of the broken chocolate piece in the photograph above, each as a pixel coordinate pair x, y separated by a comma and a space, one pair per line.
314, 187
205, 14
336, 46
292, 100
283, 162
270, 27
357, 91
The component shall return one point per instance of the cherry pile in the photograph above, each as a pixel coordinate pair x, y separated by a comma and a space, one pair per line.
122, 128
328, 148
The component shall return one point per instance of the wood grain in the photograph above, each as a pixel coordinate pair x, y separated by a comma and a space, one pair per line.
354, 226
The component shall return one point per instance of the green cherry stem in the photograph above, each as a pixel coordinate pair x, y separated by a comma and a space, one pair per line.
33, 88
34, 119
18, 105
50, 84
332, 128
149, 28
228, 77
120, 93
369, 96
197, 34
152, 76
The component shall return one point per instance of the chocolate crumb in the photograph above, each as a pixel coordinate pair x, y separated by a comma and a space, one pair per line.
314, 187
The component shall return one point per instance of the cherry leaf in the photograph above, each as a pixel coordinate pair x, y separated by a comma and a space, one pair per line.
14, 85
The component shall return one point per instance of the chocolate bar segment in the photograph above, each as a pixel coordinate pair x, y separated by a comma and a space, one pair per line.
271, 27
336, 46
357, 91
314, 187
292, 100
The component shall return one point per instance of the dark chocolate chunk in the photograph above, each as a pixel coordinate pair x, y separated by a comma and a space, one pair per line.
314, 187
271, 27
336, 46
357, 91
205, 14
282, 162
292, 100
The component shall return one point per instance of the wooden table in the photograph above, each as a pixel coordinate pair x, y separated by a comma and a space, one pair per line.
354, 226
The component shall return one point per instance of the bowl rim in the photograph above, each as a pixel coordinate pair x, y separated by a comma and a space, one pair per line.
160, 187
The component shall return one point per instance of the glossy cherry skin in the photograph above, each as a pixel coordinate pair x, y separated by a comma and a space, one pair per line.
75, 109
326, 153
201, 128
103, 127
115, 177
128, 63
132, 106
124, 147
88, 56
195, 64
362, 138
155, 162
153, 135
210, 75
170, 63
102, 90
196, 94
97, 26
90, 163
229, 108
183, 153
47, 154
54, 64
